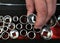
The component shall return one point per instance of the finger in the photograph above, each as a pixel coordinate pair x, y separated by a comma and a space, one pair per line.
41, 9
51, 4
30, 7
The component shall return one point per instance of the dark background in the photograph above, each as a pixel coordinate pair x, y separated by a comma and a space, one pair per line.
18, 10
58, 1
13, 10
18, 1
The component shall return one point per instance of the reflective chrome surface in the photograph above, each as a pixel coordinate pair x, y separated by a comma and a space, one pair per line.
18, 26
23, 32
31, 35
46, 33
58, 20
29, 26
14, 34
11, 26
23, 19
31, 18
5, 35
7, 19
15, 18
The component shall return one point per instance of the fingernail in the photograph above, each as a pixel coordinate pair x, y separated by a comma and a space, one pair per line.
38, 26
29, 14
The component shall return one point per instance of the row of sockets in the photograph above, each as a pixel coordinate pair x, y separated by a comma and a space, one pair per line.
24, 19
9, 19
14, 34
31, 34
7, 23
18, 26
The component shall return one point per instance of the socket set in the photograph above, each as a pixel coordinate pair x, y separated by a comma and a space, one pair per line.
14, 24
13, 27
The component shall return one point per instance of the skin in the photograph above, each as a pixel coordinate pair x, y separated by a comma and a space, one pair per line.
29, 6
45, 10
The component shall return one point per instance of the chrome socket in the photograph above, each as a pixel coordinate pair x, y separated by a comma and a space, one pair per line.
31, 18
15, 18
11, 26
23, 19
14, 34
31, 35
5, 35
18, 26
29, 26
23, 32
1, 30
46, 33
7, 19
59, 17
